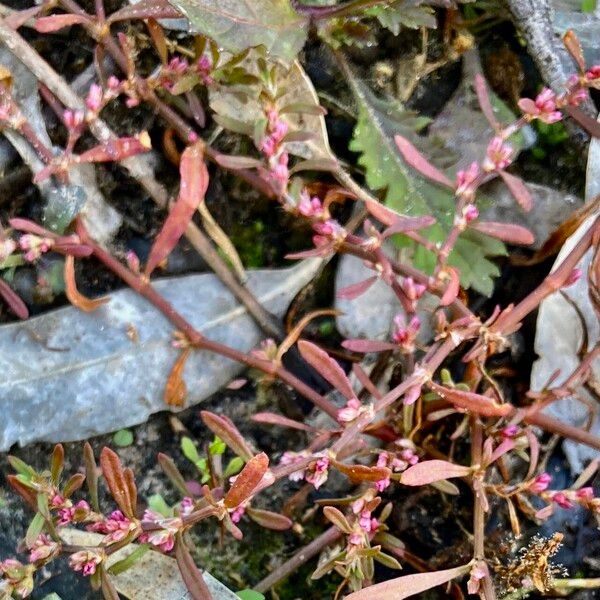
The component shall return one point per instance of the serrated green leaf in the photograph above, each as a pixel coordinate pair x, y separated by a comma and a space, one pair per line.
402, 14
236, 25
379, 120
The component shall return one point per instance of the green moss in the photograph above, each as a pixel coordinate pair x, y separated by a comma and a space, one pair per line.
249, 241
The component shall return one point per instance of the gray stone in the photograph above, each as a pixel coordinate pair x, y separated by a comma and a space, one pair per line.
550, 208
69, 375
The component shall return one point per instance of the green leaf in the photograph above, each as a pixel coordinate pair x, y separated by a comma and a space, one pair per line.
250, 595
217, 446
378, 121
189, 449
588, 6
157, 503
123, 438
234, 466
128, 562
236, 25
401, 14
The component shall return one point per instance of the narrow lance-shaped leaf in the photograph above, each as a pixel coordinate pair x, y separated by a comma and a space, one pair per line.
417, 161
12, 299
57, 463
337, 518
357, 473
228, 432
269, 519
145, 9
275, 419
117, 149
327, 367
73, 295
471, 401
56, 22
507, 232
484, 101
118, 481
368, 345
355, 290
175, 388
189, 572
408, 585
518, 189
429, 471
247, 481
91, 475
170, 469
194, 183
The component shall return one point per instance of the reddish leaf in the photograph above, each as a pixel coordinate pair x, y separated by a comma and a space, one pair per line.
228, 432
12, 299
191, 575
368, 345
30, 227
176, 389
350, 292
158, 38
194, 182
57, 22
247, 481
430, 471
358, 473
73, 484
327, 367
146, 9
167, 464
416, 160
268, 519
73, 296
28, 494
452, 288
237, 162
398, 222
119, 481
18, 18
471, 401
573, 46
73, 249
507, 232
585, 121
484, 101
337, 518
518, 189
408, 585
117, 149
273, 419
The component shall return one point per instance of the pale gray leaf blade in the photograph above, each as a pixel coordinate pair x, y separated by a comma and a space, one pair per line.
69, 375
154, 576
236, 25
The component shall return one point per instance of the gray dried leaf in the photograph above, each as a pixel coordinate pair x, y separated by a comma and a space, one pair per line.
69, 375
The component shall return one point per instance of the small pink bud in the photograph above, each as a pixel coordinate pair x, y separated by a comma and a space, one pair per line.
498, 155
511, 431
94, 98
561, 499
470, 213
585, 493
540, 483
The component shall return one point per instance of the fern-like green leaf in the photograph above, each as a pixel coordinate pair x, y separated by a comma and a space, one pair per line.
378, 121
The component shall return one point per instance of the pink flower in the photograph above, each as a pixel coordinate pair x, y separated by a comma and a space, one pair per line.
478, 572
310, 207
470, 213
466, 181
94, 98
542, 108
73, 119
498, 155
382, 484
592, 76
113, 84
561, 499
237, 514
279, 173
577, 96
289, 458
356, 539
352, 409
186, 506
267, 146
510, 432
86, 561
540, 483
317, 472
34, 246
16, 578
413, 291
585, 493
117, 526
164, 536
42, 548
405, 335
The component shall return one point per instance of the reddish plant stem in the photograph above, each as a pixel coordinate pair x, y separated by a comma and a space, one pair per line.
328, 537
196, 339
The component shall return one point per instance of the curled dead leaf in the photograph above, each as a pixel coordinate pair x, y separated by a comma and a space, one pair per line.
73, 295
